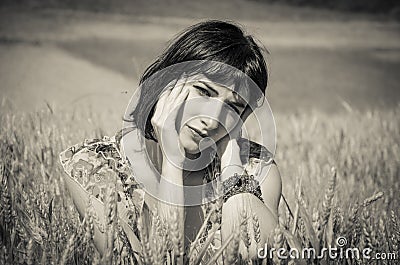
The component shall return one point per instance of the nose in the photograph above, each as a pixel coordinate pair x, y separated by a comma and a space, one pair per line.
211, 121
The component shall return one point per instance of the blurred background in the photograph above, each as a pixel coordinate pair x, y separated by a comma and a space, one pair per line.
329, 56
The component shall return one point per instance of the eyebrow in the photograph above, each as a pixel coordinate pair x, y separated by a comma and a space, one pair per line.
238, 104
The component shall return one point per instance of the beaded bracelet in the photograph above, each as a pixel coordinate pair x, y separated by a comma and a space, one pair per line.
241, 184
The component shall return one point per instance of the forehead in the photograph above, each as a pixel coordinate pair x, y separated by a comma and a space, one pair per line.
229, 89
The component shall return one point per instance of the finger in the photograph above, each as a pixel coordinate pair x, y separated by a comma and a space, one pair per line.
169, 103
176, 97
160, 105
182, 96
170, 116
175, 106
180, 84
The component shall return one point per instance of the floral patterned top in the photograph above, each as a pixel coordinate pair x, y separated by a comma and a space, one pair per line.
95, 163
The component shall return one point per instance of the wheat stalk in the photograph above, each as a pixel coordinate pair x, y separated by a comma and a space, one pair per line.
29, 253
327, 202
256, 230
231, 247
396, 230
175, 233
367, 230
372, 199
278, 243
144, 240
110, 211
244, 230
68, 249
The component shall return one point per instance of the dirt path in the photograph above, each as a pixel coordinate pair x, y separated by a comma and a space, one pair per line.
34, 75
72, 58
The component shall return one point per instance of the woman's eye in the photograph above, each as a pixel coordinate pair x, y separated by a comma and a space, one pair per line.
234, 108
202, 91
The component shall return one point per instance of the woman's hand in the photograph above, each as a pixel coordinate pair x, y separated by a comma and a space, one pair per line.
227, 148
225, 142
164, 120
229, 152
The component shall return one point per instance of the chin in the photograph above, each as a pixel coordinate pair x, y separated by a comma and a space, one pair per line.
190, 146
192, 149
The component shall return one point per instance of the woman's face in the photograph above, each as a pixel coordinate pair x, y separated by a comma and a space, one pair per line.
211, 110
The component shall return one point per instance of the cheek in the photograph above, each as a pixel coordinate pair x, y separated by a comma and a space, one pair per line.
188, 113
187, 142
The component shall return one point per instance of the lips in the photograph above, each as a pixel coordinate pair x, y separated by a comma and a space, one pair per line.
198, 132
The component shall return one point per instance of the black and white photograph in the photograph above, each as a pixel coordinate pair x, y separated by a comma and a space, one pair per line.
140, 132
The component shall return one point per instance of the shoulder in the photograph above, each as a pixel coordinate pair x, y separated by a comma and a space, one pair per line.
94, 163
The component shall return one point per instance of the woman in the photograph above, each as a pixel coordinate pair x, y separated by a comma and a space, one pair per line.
184, 131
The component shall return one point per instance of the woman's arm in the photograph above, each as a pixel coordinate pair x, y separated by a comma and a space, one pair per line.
171, 188
81, 201
247, 205
88, 174
271, 186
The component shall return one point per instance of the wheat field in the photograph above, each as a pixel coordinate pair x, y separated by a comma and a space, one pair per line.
340, 177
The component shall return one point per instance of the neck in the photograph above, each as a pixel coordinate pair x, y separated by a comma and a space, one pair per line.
193, 178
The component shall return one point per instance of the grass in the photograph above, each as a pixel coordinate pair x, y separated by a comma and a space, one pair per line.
340, 178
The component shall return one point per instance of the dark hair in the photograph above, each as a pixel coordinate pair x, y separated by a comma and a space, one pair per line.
211, 40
